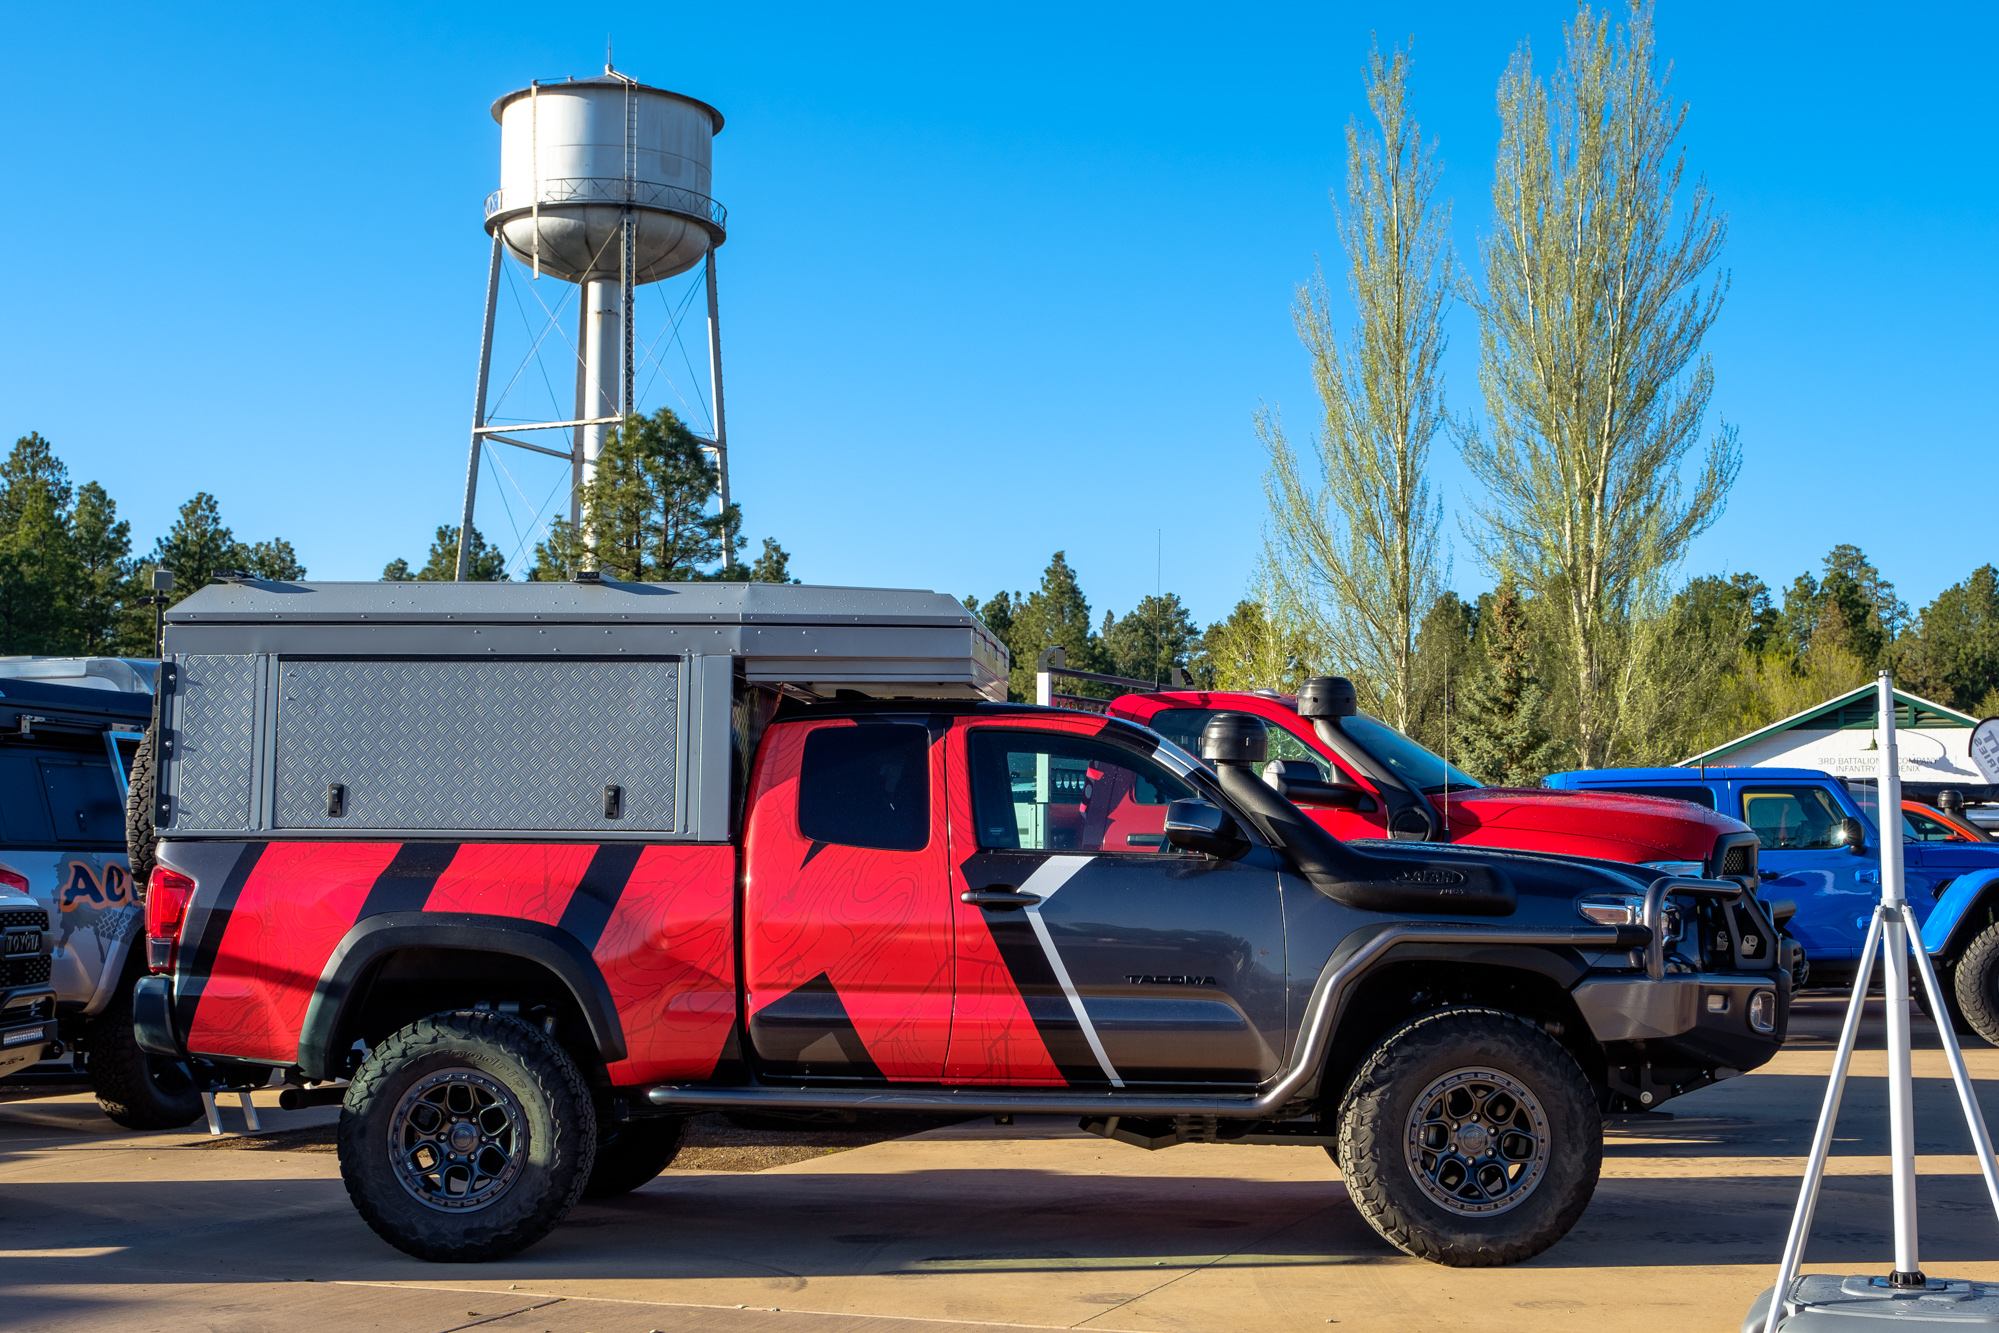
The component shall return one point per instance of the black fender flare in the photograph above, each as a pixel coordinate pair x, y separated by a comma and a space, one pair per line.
375, 937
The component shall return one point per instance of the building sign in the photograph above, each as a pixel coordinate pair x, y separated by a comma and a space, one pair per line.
1985, 749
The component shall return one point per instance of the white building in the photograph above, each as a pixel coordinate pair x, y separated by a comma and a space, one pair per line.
1839, 736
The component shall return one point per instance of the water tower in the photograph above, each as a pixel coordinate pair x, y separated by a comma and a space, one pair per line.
604, 182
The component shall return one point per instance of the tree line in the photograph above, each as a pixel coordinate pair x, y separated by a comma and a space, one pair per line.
71, 584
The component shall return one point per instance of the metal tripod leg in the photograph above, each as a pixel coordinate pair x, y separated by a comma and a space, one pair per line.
1808, 1193
1974, 1119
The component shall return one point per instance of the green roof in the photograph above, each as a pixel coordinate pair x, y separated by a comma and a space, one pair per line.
1856, 710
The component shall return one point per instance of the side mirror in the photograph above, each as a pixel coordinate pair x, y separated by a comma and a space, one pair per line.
1780, 910
1851, 834
1298, 781
1201, 826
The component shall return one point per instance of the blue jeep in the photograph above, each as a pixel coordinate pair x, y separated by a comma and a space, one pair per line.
1821, 850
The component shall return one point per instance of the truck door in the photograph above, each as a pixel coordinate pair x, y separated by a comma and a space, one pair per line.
1089, 951
848, 906
1796, 823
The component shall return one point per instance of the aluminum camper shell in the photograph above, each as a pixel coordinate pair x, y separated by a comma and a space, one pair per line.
588, 710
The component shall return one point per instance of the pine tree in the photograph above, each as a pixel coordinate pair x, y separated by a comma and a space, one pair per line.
1497, 734
1952, 655
1148, 643
1445, 664
1055, 614
196, 547
38, 570
646, 519
101, 545
489, 565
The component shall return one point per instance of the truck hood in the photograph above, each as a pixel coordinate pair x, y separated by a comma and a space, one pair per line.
1612, 826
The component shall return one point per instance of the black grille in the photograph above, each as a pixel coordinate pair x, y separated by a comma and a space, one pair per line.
25, 971
1739, 860
14, 918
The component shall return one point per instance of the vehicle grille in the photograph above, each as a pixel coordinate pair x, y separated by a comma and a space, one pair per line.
1739, 860
25, 971
15, 918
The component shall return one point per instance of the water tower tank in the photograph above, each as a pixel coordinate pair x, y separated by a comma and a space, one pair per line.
575, 155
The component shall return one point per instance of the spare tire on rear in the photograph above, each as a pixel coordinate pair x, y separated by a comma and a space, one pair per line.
139, 831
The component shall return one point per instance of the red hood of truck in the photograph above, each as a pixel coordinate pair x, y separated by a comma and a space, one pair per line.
1611, 825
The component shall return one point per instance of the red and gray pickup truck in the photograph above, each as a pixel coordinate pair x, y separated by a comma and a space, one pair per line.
543, 870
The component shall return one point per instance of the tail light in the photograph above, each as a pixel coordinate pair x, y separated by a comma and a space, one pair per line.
167, 893
11, 880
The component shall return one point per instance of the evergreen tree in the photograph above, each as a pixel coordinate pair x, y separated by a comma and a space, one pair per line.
1445, 662
1497, 734
1155, 637
1952, 654
488, 565
38, 569
101, 546
1054, 614
645, 515
196, 546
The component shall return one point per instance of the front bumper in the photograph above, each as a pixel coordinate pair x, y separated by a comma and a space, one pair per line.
153, 1017
1668, 1036
27, 1026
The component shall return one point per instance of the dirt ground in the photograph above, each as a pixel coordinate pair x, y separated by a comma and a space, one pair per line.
866, 1229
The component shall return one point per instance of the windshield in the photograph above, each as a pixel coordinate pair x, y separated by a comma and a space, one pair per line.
1411, 762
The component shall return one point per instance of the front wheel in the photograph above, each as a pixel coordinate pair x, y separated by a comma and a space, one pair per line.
466, 1136
1470, 1138
1975, 984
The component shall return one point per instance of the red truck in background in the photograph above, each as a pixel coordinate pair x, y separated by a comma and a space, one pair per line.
1360, 778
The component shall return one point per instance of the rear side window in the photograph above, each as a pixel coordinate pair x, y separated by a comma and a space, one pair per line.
1791, 819
1696, 795
866, 786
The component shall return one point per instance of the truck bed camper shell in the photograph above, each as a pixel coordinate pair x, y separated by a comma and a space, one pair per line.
600, 710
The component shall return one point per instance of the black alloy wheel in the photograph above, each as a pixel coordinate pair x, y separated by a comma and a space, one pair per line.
1470, 1137
466, 1136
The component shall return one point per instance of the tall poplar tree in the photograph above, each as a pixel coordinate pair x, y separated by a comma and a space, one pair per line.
1596, 298
1357, 551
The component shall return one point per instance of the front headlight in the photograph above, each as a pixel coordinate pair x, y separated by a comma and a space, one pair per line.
1624, 909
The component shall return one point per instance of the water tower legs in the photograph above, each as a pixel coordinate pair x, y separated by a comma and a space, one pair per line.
479, 416
603, 338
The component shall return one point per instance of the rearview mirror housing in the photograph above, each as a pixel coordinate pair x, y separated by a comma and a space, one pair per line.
1851, 834
1202, 826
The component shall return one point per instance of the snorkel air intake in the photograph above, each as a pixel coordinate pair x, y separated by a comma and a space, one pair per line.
1236, 744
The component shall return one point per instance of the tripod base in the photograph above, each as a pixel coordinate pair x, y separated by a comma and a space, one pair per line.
1823, 1303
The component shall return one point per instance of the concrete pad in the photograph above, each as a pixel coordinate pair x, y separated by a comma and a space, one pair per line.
1033, 1225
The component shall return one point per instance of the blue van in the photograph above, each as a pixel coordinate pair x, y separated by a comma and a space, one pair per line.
1821, 849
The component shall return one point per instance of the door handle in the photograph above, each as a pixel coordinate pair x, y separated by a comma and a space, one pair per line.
999, 898
1868, 877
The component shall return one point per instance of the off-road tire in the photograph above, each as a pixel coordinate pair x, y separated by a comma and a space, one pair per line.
1378, 1114
1975, 981
632, 1153
549, 1161
135, 1088
139, 832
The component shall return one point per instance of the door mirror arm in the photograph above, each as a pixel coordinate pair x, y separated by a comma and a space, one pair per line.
1195, 825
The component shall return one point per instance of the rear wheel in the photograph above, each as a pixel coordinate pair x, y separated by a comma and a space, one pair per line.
1976, 984
1470, 1138
632, 1153
466, 1136
135, 1088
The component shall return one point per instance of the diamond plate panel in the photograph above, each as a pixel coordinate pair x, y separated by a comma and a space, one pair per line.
478, 746
214, 719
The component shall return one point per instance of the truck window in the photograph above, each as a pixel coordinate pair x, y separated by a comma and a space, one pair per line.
1696, 795
866, 786
83, 800
1041, 791
1183, 727
1919, 827
1791, 819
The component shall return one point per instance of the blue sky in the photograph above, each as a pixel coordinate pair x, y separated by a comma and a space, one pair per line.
998, 281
